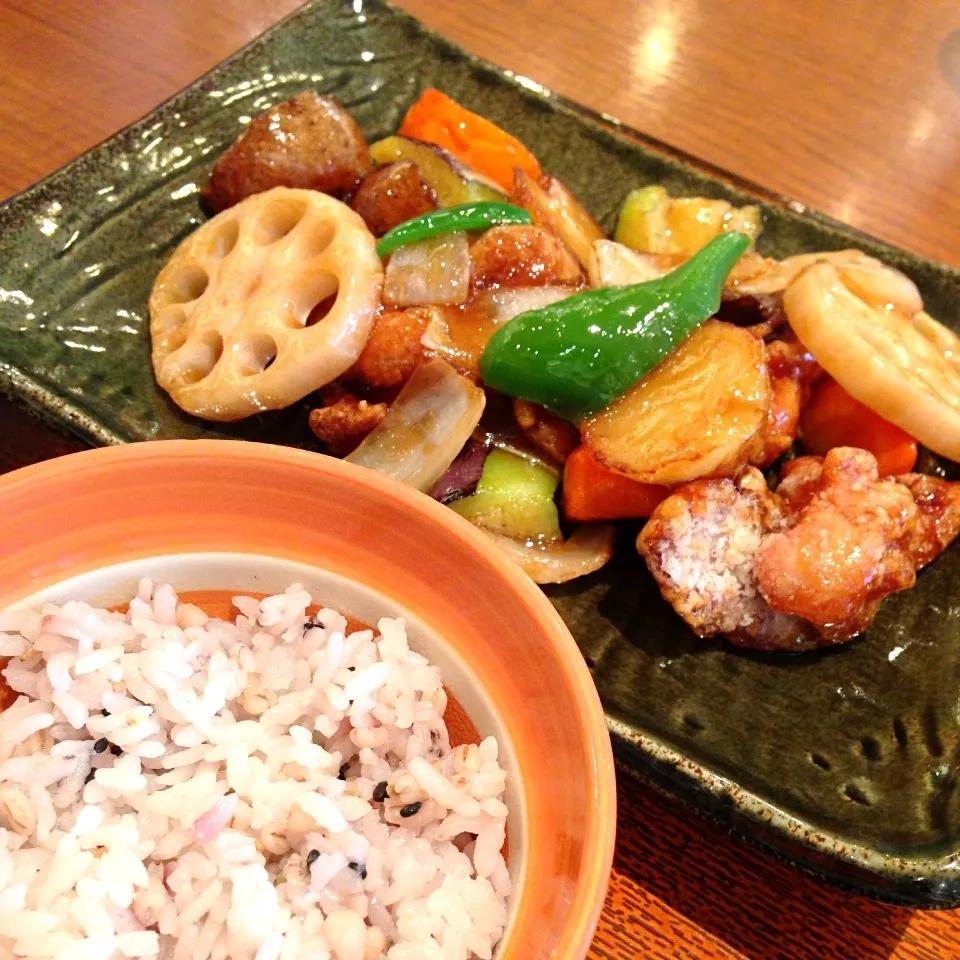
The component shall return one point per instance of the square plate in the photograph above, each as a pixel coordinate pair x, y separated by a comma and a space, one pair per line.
844, 761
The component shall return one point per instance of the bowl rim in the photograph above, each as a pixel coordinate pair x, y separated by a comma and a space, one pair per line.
600, 839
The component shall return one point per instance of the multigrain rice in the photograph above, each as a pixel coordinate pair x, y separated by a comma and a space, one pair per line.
238, 809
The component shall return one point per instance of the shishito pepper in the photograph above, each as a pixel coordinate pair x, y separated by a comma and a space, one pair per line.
468, 216
576, 356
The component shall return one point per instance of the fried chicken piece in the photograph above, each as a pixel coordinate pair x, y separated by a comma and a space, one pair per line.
700, 545
308, 141
850, 546
550, 434
939, 523
792, 371
798, 483
393, 350
517, 255
344, 423
803, 567
391, 195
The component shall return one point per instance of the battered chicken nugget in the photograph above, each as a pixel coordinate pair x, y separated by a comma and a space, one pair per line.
939, 521
516, 255
343, 424
393, 350
700, 545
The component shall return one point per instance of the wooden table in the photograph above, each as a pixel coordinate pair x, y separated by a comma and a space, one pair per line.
851, 108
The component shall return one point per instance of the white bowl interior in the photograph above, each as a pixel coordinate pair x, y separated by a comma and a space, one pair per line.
241, 572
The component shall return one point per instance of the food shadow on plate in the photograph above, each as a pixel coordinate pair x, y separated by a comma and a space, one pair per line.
288, 427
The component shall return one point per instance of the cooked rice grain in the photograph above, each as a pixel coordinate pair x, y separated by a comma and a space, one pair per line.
215, 822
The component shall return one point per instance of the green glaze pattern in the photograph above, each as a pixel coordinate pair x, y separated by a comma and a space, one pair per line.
844, 761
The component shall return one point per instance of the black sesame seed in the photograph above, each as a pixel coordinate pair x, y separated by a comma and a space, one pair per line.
312, 858
101, 745
115, 750
342, 775
411, 809
316, 622
380, 792
105, 713
90, 776
351, 669
358, 868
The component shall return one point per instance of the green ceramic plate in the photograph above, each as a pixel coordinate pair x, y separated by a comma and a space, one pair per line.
844, 761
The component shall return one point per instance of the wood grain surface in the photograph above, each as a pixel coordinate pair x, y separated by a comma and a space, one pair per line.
853, 108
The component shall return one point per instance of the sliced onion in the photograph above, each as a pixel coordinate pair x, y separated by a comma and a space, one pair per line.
459, 334
425, 428
504, 305
556, 561
614, 264
433, 271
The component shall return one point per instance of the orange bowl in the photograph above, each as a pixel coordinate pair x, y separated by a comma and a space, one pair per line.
210, 514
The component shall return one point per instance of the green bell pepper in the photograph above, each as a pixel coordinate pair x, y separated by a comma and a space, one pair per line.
468, 216
578, 355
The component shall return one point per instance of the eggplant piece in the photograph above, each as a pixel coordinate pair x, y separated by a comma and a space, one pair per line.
452, 182
464, 474
308, 142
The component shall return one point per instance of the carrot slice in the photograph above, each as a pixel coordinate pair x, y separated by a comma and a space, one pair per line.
835, 419
480, 144
592, 492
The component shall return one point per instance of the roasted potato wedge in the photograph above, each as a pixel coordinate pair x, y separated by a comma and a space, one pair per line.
308, 141
699, 413
391, 195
